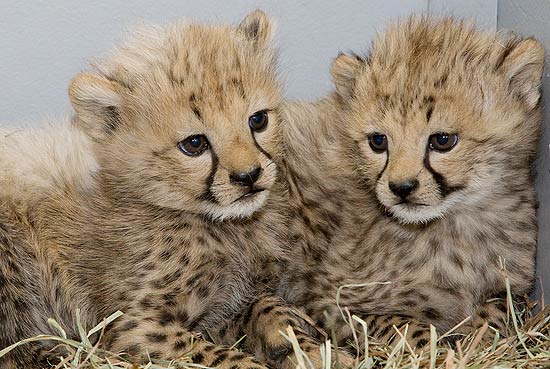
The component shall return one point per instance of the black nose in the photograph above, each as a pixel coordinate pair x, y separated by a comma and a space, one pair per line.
403, 189
246, 179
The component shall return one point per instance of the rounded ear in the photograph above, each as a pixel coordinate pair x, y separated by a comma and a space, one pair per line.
522, 68
97, 103
345, 69
257, 27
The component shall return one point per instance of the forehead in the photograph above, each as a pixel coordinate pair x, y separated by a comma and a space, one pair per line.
216, 62
417, 91
211, 72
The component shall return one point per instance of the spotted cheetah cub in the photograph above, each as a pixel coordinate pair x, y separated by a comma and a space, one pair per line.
417, 170
169, 218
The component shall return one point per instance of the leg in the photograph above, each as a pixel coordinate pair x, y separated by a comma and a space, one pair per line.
262, 323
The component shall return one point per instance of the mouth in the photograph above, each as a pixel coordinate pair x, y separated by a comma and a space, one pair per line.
409, 204
251, 192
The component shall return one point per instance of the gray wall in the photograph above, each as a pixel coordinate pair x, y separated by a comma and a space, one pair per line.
45, 43
531, 18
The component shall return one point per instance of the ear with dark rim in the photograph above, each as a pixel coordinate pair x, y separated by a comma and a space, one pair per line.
522, 68
97, 102
345, 69
257, 27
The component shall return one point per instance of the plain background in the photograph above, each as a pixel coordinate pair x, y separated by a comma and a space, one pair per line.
45, 44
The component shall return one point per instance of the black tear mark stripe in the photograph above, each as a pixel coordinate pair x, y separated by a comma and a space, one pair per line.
207, 195
444, 188
385, 165
261, 149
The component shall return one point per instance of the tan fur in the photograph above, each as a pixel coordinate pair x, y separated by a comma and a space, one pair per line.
45, 158
422, 77
118, 218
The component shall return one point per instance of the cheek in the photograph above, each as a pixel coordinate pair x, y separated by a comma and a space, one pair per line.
181, 176
455, 166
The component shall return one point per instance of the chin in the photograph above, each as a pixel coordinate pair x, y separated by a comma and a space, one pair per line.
417, 214
240, 209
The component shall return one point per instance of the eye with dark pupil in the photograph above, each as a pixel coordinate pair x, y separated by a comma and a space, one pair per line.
195, 142
443, 141
258, 121
193, 145
378, 142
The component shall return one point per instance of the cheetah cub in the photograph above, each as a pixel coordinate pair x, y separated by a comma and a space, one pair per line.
417, 171
169, 217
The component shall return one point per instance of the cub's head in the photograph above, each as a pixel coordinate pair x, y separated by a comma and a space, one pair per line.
442, 117
186, 117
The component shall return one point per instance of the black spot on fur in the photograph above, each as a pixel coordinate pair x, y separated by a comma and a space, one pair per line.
422, 342
133, 350
429, 113
266, 310
197, 358
218, 360
248, 314
483, 314
165, 255
431, 313
169, 299
179, 345
166, 318
279, 353
129, 325
155, 355
237, 357
155, 337
209, 348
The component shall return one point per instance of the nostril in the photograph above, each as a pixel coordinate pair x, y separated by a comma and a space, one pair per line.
403, 189
246, 178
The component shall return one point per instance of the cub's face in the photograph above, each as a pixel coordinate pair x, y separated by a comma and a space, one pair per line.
438, 127
187, 118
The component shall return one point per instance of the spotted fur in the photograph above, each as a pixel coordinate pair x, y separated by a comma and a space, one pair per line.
115, 217
423, 76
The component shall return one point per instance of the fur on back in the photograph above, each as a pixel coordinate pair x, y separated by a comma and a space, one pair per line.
35, 161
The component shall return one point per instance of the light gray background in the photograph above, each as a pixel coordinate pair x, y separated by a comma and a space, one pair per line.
45, 43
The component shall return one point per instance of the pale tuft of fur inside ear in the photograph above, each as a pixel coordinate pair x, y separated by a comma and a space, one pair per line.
96, 101
257, 27
523, 68
345, 69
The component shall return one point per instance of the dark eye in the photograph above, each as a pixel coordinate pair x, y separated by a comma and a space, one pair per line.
378, 142
193, 145
258, 120
443, 141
